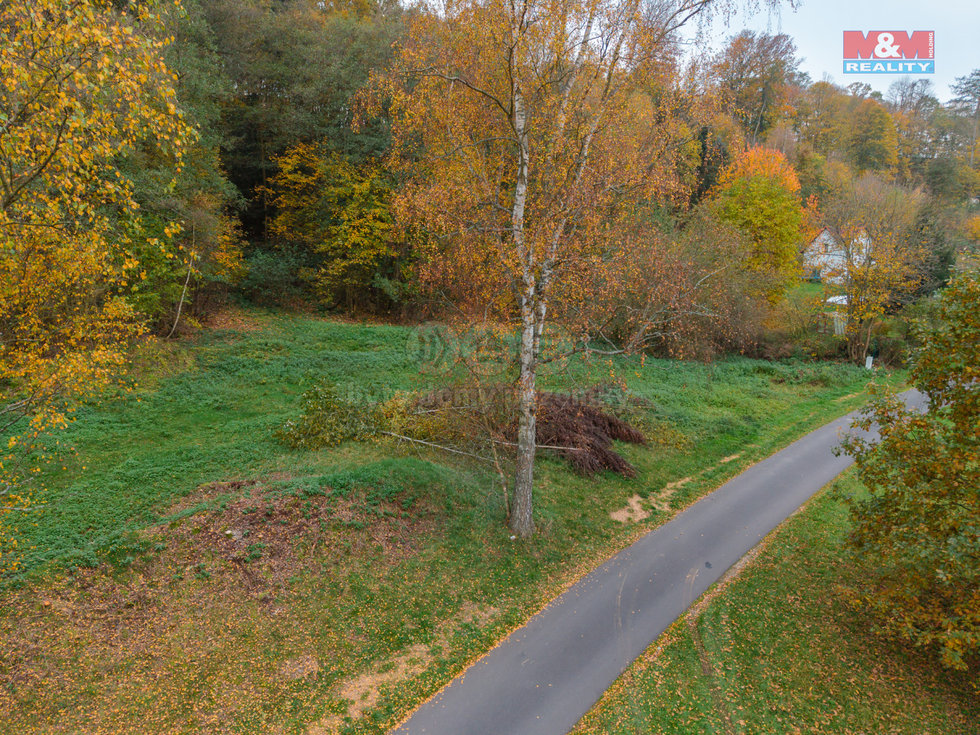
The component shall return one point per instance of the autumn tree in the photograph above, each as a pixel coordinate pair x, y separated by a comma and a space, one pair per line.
820, 118
967, 91
202, 259
341, 213
759, 194
756, 71
873, 141
912, 105
522, 126
678, 291
295, 67
881, 261
934, 235
80, 84
918, 529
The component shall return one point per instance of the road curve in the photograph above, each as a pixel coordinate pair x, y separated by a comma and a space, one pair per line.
547, 674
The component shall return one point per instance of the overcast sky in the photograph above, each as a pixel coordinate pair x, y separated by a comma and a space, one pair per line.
817, 28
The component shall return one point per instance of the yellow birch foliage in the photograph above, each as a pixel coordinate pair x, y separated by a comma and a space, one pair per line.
80, 85
973, 228
339, 211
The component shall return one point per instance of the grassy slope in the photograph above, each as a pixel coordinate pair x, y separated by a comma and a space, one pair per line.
404, 559
781, 652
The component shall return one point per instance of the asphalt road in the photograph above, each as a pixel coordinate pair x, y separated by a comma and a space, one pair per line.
546, 675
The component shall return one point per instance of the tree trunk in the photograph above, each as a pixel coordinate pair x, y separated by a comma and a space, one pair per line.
521, 517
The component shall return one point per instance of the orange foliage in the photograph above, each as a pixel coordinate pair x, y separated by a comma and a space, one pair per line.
767, 163
759, 194
521, 130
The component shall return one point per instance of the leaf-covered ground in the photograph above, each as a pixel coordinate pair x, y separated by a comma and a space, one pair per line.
190, 574
780, 649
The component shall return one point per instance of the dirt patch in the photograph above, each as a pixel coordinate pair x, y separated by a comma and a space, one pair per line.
636, 507
363, 691
474, 614
662, 501
299, 667
632, 513
203, 594
730, 458
209, 492
264, 537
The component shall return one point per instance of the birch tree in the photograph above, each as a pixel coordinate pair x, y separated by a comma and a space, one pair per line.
81, 85
522, 125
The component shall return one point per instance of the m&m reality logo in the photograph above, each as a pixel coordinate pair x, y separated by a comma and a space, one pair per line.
889, 52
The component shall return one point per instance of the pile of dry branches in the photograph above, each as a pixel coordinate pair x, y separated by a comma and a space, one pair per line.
578, 428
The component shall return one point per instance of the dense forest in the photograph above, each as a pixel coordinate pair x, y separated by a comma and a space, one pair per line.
276, 178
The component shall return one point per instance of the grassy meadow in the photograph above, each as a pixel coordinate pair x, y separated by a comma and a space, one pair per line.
188, 573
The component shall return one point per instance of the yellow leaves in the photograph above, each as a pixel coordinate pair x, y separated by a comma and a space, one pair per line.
337, 210
78, 86
972, 228
759, 194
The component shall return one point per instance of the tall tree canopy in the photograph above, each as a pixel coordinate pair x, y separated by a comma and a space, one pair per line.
756, 71
759, 193
967, 91
525, 126
873, 142
295, 67
80, 84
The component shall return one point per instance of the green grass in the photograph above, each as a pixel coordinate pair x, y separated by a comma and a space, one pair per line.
808, 288
214, 421
784, 653
411, 562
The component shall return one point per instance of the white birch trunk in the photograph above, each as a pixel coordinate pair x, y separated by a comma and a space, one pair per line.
522, 518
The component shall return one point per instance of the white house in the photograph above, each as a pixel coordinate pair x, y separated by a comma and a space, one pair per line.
829, 256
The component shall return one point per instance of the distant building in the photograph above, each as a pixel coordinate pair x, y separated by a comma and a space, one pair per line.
828, 257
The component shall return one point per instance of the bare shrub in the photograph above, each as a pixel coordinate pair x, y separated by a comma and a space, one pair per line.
682, 293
